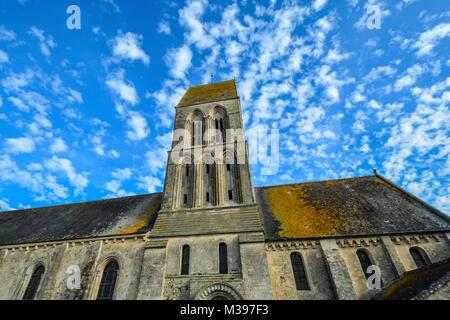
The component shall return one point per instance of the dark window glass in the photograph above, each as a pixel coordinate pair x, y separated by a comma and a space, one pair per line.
223, 258
207, 197
187, 171
185, 199
207, 169
33, 285
228, 167
301, 282
108, 282
365, 261
221, 125
230, 194
185, 259
419, 257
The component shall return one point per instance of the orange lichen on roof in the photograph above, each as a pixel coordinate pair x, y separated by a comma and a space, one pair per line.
140, 223
301, 215
209, 93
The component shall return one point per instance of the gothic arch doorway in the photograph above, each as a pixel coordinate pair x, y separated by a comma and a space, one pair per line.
219, 292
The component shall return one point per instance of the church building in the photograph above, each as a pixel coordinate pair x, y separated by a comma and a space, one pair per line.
212, 235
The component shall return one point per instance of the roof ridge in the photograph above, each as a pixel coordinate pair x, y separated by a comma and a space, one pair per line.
208, 84
78, 203
315, 181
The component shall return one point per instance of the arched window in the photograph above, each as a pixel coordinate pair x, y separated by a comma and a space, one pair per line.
364, 261
108, 282
223, 258
301, 281
419, 256
185, 259
220, 126
197, 128
33, 284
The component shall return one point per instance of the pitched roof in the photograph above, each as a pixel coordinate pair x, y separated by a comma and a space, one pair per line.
417, 283
122, 216
357, 206
209, 93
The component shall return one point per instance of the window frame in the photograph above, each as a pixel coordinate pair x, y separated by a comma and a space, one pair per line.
300, 285
27, 288
185, 264
106, 265
421, 255
223, 258
369, 258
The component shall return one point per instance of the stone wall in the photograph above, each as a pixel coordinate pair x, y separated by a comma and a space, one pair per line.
18, 263
150, 268
334, 271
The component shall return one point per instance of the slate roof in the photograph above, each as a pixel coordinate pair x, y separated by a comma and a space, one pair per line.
418, 283
357, 206
122, 216
345, 207
209, 93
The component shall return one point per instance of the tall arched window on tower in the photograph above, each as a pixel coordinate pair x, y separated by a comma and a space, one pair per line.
301, 281
108, 282
419, 256
220, 124
223, 258
33, 284
197, 128
232, 187
185, 257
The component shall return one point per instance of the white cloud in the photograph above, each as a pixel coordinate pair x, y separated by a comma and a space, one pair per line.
16, 81
335, 56
375, 104
138, 127
58, 145
45, 43
333, 94
77, 180
190, 17
164, 27
19, 104
114, 186
19, 145
319, 4
409, 77
179, 61
122, 174
4, 58
430, 38
149, 184
128, 47
4, 205
6, 35
125, 90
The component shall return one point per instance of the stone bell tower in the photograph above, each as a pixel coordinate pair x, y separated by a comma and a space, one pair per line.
208, 162
207, 240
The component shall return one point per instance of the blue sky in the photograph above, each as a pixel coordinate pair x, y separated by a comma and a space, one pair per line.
87, 114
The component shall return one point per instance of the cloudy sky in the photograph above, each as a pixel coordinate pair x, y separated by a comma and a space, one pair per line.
87, 114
